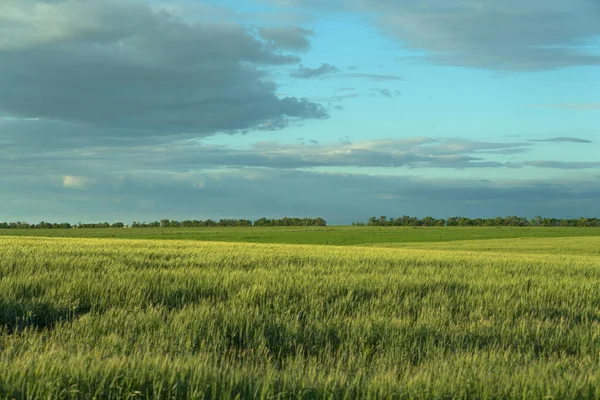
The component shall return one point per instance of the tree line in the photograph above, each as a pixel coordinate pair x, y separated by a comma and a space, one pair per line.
166, 223
59, 225
464, 221
285, 221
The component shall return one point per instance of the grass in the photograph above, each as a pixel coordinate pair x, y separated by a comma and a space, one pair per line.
113, 318
336, 235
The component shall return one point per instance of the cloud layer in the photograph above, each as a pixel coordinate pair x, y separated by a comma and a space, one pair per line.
188, 178
249, 193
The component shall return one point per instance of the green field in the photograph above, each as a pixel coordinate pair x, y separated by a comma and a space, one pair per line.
336, 235
466, 319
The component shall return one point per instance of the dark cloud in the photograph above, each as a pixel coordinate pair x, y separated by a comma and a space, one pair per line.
122, 66
564, 164
563, 139
307, 73
374, 77
291, 38
387, 92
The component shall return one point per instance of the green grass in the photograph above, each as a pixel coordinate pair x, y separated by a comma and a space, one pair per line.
336, 235
110, 318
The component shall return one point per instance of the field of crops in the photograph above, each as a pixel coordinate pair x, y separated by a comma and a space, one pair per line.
113, 318
331, 235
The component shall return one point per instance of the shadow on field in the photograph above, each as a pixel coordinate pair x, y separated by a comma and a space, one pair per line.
18, 315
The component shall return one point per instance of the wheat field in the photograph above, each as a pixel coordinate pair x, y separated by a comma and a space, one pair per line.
117, 319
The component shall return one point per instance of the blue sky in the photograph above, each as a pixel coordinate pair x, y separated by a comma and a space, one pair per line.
141, 110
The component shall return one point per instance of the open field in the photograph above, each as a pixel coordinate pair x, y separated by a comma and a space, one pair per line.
111, 318
335, 235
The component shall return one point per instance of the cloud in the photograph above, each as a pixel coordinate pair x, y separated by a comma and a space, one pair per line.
564, 164
494, 35
75, 182
563, 139
374, 77
291, 38
121, 66
488, 34
307, 73
387, 92
385, 153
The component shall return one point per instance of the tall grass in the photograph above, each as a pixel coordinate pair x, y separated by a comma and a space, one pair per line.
108, 318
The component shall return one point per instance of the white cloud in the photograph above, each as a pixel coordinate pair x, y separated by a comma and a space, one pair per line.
75, 182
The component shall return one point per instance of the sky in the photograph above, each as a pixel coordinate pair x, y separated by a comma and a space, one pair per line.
138, 110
